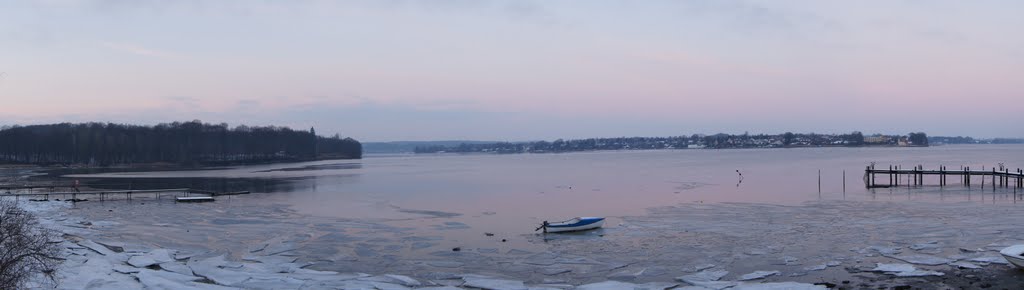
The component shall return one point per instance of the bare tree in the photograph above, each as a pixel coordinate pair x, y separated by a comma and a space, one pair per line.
26, 250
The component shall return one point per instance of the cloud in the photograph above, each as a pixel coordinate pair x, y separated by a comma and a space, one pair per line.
136, 49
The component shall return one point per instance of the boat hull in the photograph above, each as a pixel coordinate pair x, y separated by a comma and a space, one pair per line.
1013, 254
582, 225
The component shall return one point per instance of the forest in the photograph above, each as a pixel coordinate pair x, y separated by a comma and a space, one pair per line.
190, 143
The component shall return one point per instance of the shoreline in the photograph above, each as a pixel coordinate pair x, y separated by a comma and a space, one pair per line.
98, 264
276, 263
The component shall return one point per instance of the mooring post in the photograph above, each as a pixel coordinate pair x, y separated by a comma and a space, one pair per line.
993, 179
819, 181
920, 175
917, 175
913, 174
890, 175
844, 181
867, 176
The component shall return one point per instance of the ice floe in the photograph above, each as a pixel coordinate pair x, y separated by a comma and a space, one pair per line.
904, 270
758, 275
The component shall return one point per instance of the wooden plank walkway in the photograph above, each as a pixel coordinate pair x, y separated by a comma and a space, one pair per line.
1000, 178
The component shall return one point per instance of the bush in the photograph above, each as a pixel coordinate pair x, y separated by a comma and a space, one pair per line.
25, 247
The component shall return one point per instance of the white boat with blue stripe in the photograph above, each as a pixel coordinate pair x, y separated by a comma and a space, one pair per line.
1014, 254
575, 224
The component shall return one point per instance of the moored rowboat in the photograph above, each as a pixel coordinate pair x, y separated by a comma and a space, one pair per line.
575, 224
194, 199
1013, 254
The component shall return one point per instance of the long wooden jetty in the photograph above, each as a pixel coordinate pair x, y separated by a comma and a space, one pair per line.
128, 194
1000, 178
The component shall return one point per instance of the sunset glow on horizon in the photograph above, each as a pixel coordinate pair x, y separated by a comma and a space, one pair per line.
519, 70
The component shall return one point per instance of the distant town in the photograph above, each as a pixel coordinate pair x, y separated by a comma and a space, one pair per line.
700, 141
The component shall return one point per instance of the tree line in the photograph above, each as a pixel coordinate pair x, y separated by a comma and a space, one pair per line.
185, 143
721, 141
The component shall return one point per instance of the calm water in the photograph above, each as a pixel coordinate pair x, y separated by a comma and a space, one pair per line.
384, 209
527, 187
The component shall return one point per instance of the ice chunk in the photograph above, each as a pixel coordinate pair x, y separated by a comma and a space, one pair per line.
607, 285
758, 275
403, 280
881, 267
655, 286
700, 267
790, 261
553, 271
922, 259
626, 274
904, 270
214, 269
493, 284
272, 283
778, 286
176, 267
990, 260
816, 267
703, 276
880, 249
125, 269
717, 285
96, 247
445, 264
965, 265
117, 247
141, 261
924, 246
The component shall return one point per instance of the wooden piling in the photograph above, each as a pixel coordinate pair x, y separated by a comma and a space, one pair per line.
872, 180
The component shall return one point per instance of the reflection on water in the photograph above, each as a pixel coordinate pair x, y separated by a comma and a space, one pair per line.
383, 209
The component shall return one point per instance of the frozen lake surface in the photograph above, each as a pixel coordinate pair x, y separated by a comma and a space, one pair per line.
671, 213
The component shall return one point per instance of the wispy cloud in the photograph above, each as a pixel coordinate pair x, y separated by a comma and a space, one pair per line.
136, 49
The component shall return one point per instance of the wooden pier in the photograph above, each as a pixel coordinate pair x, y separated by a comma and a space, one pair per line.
128, 194
1000, 178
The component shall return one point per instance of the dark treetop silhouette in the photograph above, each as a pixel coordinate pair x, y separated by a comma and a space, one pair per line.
188, 143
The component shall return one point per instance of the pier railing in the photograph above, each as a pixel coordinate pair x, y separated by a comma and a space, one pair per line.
1000, 178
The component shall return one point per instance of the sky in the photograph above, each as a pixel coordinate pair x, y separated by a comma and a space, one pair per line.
520, 70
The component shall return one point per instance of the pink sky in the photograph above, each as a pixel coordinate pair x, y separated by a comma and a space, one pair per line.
520, 70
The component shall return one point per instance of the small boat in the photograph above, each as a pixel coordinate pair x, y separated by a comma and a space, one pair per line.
1014, 254
194, 199
576, 224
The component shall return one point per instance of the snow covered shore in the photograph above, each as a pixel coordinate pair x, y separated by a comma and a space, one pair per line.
101, 264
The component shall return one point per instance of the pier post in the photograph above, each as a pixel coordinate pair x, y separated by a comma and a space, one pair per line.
890, 175
867, 176
920, 176
982, 177
844, 181
819, 181
993, 179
